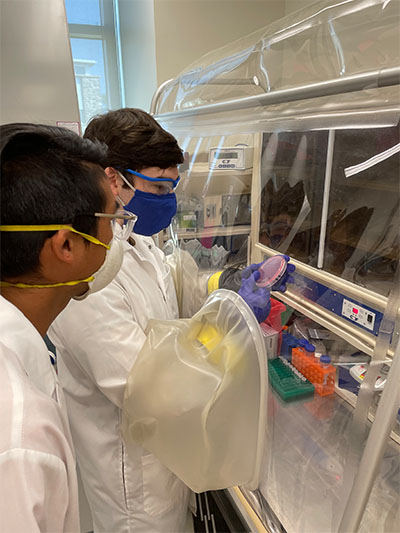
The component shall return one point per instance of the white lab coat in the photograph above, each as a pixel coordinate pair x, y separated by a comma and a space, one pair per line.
38, 486
97, 341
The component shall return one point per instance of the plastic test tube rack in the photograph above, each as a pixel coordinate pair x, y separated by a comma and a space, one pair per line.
322, 376
288, 382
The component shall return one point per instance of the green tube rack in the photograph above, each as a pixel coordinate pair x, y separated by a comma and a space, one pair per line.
287, 381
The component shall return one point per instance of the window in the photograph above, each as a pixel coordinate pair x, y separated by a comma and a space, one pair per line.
293, 174
94, 45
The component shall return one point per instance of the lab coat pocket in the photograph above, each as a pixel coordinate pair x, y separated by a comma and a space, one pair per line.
162, 490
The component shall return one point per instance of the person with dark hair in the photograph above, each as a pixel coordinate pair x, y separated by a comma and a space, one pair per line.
56, 244
99, 340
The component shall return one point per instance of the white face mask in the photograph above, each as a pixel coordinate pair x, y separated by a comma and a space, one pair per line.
108, 270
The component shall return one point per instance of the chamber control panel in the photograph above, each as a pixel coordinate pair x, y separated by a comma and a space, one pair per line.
356, 313
236, 158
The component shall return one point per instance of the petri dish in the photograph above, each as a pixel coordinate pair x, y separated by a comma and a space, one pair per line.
271, 271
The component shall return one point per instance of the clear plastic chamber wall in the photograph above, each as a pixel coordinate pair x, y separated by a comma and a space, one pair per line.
292, 147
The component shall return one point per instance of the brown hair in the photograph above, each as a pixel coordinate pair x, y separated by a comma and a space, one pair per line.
134, 139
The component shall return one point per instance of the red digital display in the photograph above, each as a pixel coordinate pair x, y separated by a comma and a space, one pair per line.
355, 311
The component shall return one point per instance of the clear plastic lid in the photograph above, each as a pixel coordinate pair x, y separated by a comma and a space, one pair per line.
271, 271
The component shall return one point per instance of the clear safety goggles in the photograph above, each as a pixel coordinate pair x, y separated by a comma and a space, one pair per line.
122, 223
174, 182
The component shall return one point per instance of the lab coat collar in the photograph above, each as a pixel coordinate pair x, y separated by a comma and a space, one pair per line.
127, 245
22, 337
144, 250
135, 245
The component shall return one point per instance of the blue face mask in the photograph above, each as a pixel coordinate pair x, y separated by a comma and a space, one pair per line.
154, 211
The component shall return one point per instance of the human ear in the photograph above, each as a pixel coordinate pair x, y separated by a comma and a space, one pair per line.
64, 245
114, 180
63, 257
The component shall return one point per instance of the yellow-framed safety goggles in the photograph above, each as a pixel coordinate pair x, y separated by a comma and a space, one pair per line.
123, 222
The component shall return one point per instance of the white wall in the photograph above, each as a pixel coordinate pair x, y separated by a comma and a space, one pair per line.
294, 5
187, 29
138, 50
37, 80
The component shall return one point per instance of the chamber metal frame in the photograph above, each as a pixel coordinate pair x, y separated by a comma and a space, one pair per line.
377, 78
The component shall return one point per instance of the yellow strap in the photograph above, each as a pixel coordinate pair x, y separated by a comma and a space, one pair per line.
213, 282
54, 227
49, 286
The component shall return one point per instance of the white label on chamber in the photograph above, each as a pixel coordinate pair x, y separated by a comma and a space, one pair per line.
357, 314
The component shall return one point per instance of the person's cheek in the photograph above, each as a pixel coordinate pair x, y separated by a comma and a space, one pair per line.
126, 196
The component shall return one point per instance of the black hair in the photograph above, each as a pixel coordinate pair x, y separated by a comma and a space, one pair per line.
49, 175
135, 140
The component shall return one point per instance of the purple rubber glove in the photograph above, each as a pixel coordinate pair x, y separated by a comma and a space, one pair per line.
250, 269
281, 284
257, 298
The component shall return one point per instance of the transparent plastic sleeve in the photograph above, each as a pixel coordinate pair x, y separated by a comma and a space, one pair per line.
195, 396
190, 283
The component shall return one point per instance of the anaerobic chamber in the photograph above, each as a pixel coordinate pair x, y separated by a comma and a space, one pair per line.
291, 138
213, 220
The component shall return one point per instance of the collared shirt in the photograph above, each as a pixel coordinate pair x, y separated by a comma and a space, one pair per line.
38, 487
